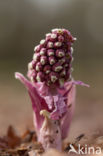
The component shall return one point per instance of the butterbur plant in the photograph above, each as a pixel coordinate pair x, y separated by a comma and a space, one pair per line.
51, 87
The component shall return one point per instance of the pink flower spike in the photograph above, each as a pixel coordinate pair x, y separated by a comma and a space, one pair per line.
51, 88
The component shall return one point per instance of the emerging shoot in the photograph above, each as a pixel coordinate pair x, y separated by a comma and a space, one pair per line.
51, 87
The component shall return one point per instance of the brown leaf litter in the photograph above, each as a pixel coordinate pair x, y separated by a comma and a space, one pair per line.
27, 145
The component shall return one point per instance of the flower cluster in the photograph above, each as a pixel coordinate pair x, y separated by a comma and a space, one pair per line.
52, 58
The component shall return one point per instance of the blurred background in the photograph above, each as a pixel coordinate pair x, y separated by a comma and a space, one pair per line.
23, 23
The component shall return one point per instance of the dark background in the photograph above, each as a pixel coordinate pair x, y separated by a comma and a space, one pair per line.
23, 23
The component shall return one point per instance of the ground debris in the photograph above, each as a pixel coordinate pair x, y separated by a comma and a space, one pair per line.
14, 145
85, 141
27, 145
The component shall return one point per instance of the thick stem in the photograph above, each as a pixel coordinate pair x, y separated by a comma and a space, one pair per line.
50, 133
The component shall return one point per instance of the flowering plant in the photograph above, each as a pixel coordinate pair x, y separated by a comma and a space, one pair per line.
51, 87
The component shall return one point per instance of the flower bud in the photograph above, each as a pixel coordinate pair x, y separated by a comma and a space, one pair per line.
50, 45
33, 75
37, 48
52, 60
47, 69
57, 67
66, 65
54, 30
58, 31
40, 77
43, 51
53, 37
50, 52
53, 77
62, 61
38, 66
60, 38
48, 36
60, 53
34, 64
43, 60
42, 42
29, 73
61, 81
30, 66
68, 58
71, 50
57, 44
36, 56
63, 73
